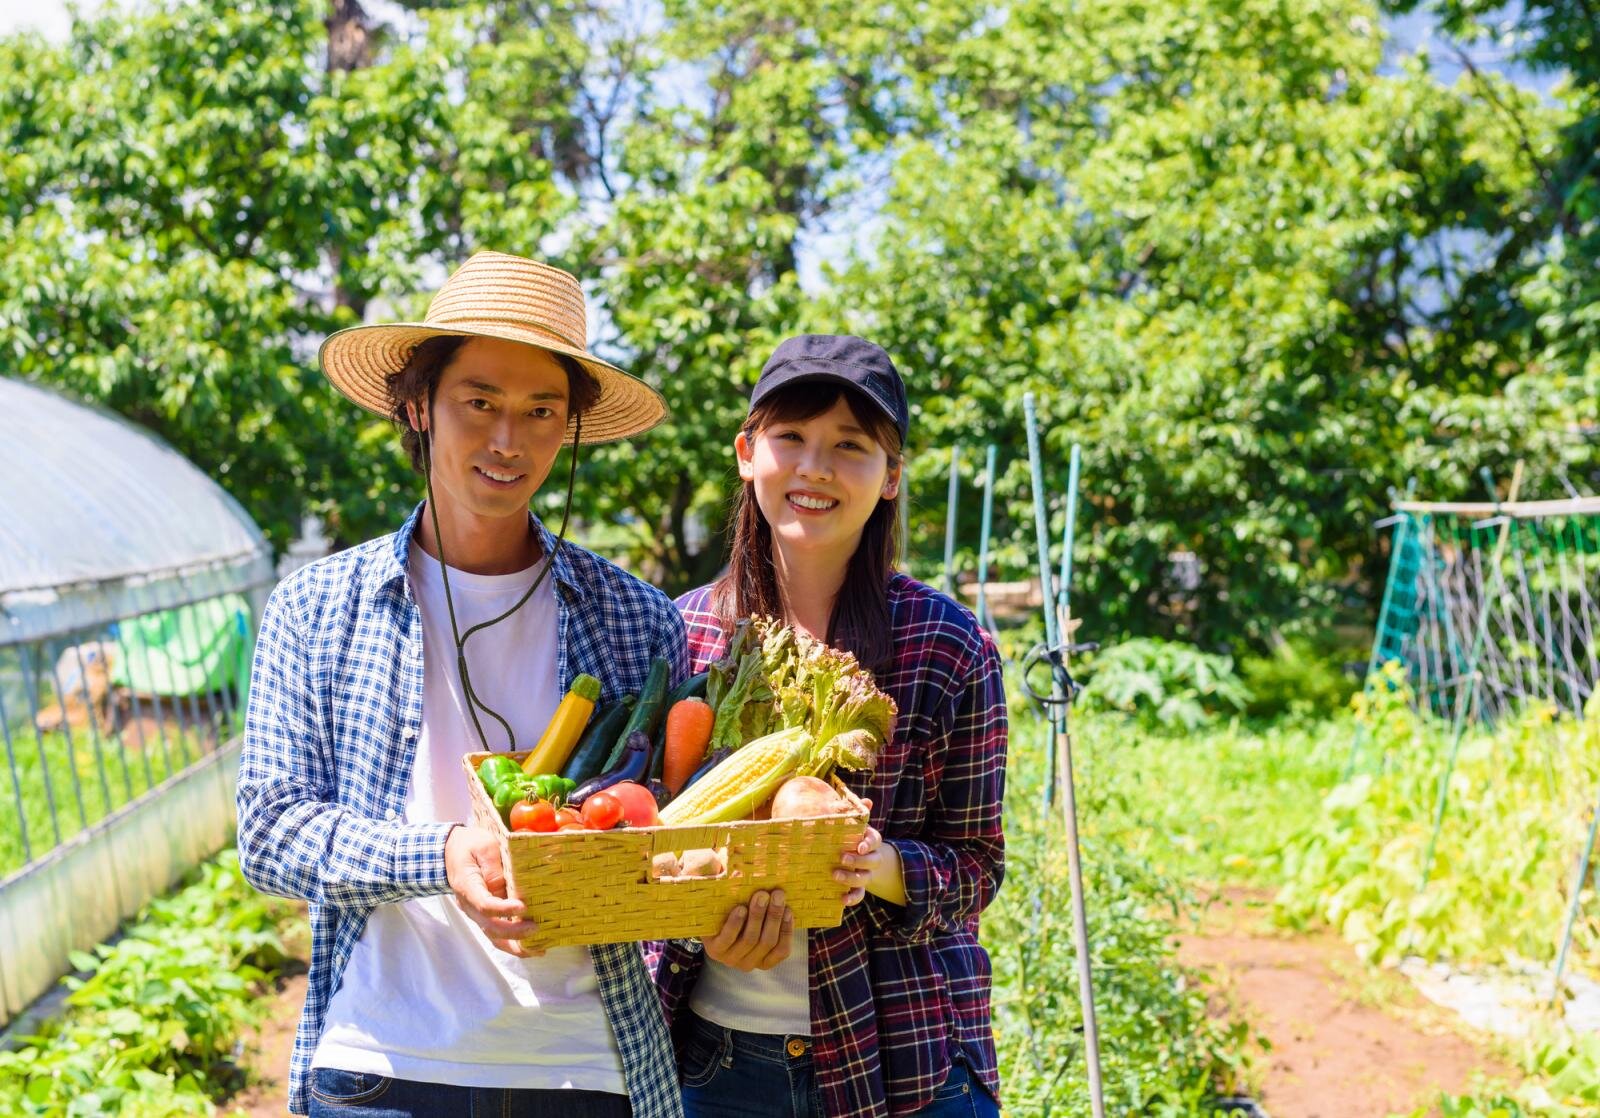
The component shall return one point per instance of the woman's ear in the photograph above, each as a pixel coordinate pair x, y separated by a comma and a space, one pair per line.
891, 483
746, 454
418, 421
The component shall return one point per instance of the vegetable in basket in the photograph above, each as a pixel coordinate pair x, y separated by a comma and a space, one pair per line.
560, 737
833, 716
588, 759
634, 765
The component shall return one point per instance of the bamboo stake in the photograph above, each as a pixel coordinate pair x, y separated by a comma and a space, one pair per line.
1062, 755
950, 521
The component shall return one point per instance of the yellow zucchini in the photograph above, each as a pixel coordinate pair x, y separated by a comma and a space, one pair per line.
566, 726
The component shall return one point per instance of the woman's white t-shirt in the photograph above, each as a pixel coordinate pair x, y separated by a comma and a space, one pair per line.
425, 995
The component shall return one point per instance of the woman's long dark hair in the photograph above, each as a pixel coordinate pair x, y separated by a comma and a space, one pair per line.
860, 620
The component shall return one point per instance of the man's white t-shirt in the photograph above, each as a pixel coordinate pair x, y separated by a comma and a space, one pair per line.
425, 995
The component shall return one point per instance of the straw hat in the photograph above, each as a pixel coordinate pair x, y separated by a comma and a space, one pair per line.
495, 295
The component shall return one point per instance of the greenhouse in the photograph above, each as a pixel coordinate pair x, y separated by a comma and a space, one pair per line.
129, 587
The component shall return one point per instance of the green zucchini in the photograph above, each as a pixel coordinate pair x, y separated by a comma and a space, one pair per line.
647, 711
693, 687
588, 759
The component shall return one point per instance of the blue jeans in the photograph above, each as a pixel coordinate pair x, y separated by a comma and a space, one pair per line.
336, 1092
726, 1073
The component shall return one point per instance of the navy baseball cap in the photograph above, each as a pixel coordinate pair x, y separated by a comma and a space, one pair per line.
841, 359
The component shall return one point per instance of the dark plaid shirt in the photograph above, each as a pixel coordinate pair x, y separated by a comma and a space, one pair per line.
896, 992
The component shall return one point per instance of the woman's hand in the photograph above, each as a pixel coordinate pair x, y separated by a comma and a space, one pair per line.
754, 940
871, 866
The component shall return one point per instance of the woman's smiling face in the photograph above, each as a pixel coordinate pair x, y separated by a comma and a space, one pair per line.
817, 480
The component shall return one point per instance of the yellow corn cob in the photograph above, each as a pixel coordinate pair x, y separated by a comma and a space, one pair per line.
734, 789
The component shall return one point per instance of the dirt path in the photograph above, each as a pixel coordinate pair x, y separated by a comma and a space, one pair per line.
268, 1097
1347, 1040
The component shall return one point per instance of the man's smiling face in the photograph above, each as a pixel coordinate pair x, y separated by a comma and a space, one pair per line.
499, 419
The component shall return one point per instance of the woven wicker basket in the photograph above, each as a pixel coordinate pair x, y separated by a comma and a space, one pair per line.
584, 887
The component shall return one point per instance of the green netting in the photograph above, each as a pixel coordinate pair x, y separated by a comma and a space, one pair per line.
192, 650
1483, 626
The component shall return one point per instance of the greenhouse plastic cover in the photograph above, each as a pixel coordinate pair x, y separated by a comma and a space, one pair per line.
99, 519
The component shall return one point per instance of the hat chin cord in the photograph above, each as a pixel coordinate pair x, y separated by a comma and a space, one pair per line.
473, 701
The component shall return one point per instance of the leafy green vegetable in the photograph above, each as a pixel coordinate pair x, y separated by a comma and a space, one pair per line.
153, 1028
823, 688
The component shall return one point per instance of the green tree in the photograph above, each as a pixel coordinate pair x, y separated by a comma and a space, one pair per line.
1194, 233
198, 196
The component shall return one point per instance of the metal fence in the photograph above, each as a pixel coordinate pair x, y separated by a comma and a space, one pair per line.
120, 715
93, 718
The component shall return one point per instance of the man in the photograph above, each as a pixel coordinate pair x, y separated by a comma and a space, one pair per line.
379, 667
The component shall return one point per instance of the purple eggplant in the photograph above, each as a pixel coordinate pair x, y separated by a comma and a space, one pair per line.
634, 765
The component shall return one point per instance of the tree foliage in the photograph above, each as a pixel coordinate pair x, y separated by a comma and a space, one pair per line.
1259, 271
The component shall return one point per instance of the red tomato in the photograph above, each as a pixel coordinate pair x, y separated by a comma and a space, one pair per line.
568, 817
638, 805
602, 811
533, 815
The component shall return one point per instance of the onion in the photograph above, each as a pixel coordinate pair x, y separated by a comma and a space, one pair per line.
807, 797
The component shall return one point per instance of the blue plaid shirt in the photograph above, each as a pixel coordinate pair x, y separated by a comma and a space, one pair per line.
330, 734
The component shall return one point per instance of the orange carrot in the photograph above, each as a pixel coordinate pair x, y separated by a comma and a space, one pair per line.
688, 730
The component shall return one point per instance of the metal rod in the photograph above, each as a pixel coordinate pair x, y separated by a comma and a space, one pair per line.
1041, 519
983, 539
1572, 909
1063, 748
133, 709
950, 521
157, 713
1464, 702
16, 780
1067, 533
32, 698
1080, 919
94, 719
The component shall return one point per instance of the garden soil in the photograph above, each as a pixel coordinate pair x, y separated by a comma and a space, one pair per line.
1347, 1040
268, 1094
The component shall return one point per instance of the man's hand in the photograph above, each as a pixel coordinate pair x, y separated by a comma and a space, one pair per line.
472, 863
757, 940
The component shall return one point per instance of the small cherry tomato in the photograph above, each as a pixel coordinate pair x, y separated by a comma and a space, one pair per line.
602, 811
533, 815
568, 816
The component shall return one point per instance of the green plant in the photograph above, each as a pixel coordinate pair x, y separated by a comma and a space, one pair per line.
1216, 806
1166, 683
55, 768
1563, 1069
1295, 678
1161, 1053
151, 1027
1515, 822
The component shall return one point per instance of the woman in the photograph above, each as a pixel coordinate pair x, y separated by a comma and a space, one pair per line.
887, 1014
